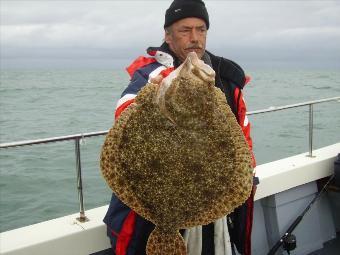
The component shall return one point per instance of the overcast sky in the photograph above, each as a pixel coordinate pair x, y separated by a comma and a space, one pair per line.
112, 33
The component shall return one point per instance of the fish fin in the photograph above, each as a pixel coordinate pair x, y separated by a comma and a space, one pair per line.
160, 243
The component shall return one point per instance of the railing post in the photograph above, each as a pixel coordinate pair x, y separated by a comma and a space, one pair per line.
82, 217
310, 130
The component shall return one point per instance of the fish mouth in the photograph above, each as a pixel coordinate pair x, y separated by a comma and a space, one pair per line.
205, 72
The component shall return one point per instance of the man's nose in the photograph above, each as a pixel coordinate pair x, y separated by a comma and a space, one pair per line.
194, 36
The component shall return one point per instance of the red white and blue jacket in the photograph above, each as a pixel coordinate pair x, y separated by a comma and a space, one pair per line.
128, 231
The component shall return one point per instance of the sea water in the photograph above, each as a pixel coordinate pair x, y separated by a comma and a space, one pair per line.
38, 182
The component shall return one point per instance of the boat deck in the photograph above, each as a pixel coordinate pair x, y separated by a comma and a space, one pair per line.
331, 247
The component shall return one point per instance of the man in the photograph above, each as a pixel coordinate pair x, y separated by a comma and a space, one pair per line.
186, 25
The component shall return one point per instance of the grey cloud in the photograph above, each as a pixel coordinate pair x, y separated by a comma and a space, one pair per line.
247, 30
67, 24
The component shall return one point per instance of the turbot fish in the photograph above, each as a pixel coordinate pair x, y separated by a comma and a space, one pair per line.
177, 156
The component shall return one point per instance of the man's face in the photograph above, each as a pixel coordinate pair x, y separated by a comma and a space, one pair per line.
187, 35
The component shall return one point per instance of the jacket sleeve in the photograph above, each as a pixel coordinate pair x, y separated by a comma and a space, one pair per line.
242, 217
138, 81
243, 121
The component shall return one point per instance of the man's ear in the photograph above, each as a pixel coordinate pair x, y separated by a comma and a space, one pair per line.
167, 36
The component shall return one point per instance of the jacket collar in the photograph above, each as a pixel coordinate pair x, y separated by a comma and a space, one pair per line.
165, 56
224, 68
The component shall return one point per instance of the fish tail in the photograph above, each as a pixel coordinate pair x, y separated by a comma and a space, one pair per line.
160, 243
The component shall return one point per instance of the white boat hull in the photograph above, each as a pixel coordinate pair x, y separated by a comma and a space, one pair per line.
286, 182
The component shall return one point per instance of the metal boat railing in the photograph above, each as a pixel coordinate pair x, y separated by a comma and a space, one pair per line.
310, 105
78, 137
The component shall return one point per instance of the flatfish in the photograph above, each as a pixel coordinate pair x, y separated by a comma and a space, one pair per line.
177, 156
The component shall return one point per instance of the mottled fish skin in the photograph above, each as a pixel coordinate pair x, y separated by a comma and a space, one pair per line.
178, 157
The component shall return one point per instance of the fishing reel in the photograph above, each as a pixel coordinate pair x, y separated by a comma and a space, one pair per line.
289, 242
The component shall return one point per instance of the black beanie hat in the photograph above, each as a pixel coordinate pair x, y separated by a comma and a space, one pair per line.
180, 9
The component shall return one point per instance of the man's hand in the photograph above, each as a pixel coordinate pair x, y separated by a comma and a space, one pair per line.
157, 79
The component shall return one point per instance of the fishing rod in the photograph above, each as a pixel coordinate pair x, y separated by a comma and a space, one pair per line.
288, 240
